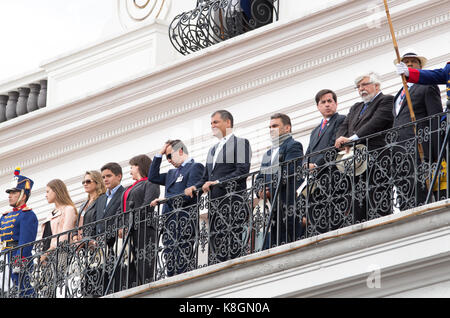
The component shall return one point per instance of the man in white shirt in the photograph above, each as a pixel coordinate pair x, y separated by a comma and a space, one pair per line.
224, 179
426, 101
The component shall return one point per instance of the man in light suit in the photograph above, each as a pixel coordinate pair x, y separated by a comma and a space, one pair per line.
426, 101
279, 169
372, 115
224, 179
179, 211
323, 215
108, 205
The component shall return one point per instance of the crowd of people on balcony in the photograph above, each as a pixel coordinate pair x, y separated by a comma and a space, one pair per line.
229, 159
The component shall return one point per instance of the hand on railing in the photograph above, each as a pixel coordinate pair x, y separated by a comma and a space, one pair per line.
341, 141
190, 191
155, 202
206, 187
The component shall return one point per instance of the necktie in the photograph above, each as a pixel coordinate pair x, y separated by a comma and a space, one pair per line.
363, 109
400, 102
402, 96
324, 123
177, 173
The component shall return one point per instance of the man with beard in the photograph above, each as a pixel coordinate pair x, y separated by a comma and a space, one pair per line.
372, 115
279, 170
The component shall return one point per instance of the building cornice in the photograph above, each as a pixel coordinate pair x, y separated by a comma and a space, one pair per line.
255, 57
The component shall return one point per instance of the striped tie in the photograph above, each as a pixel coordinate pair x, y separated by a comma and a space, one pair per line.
324, 122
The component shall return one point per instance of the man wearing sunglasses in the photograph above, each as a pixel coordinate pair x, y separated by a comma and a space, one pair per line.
178, 211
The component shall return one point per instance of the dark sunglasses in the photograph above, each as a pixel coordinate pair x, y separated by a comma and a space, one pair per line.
87, 181
169, 156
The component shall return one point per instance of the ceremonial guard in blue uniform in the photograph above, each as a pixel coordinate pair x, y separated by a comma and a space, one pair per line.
18, 227
427, 77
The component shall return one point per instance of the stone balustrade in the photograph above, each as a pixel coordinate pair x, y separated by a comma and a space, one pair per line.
23, 100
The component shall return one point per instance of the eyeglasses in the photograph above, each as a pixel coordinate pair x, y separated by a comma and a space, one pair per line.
87, 181
363, 85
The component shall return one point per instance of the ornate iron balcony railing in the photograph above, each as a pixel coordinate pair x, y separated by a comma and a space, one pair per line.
214, 21
274, 209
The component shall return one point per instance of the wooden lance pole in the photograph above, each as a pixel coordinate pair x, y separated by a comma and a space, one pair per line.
405, 85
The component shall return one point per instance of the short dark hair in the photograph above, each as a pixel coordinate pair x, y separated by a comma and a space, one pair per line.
285, 119
177, 144
114, 167
225, 115
143, 162
324, 92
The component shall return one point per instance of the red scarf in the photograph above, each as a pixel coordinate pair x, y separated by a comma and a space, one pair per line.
125, 194
19, 208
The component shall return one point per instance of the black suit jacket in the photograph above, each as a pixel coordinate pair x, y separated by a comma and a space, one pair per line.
377, 117
104, 211
325, 140
426, 101
142, 194
89, 214
233, 161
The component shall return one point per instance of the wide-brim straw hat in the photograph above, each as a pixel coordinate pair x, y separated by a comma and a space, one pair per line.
360, 163
423, 60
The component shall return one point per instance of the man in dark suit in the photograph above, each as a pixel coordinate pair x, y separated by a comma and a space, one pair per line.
372, 196
324, 135
108, 205
224, 179
323, 215
279, 169
179, 212
426, 101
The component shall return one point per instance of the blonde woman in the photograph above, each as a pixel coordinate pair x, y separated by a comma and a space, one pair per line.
62, 218
94, 187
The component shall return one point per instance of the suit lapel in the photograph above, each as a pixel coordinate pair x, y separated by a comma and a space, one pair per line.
210, 158
315, 133
368, 111
172, 175
117, 197
221, 157
405, 102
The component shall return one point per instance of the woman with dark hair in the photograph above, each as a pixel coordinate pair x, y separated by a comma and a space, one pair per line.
136, 200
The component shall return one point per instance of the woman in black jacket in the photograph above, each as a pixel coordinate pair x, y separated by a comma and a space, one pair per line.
136, 201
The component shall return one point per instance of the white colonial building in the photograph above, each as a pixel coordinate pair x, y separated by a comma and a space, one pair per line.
127, 94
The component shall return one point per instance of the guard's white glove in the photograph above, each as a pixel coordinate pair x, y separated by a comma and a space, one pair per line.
402, 69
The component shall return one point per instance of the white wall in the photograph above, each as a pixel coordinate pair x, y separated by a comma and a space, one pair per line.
105, 108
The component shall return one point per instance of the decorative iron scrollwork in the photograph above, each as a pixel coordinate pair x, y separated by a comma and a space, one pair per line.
214, 21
